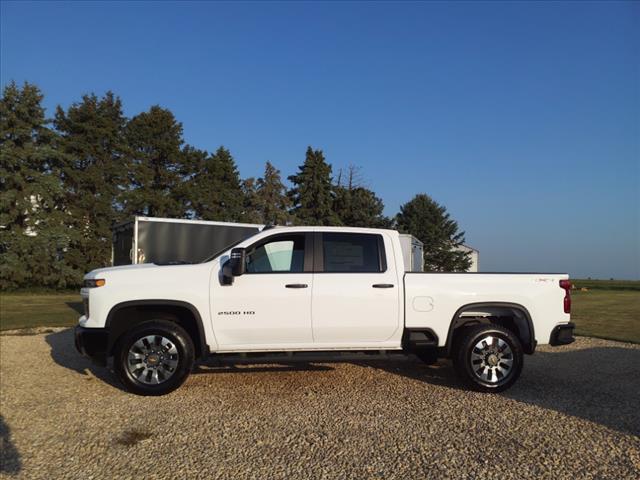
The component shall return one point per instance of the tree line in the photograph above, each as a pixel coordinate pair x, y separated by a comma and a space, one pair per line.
65, 181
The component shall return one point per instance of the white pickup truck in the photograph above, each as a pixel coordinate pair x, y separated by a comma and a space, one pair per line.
312, 289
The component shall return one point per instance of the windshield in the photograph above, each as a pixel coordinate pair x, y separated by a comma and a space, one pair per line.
211, 257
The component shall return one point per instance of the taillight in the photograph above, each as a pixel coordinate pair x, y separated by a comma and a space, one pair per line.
566, 285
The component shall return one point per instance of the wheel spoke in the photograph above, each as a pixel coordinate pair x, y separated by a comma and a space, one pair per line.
140, 346
491, 359
506, 362
475, 357
170, 363
152, 359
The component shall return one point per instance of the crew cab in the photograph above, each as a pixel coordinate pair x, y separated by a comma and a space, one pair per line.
316, 289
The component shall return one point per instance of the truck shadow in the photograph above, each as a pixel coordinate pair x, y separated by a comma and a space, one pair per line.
216, 368
10, 462
76, 307
63, 352
598, 384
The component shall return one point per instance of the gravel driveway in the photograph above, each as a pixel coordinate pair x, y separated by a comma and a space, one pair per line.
573, 414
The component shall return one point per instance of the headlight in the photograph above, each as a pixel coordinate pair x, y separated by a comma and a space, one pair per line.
94, 282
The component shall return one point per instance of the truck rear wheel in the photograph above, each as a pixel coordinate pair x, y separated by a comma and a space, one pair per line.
489, 358
154, 358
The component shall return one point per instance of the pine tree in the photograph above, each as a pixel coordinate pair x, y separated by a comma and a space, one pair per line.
155, 162
92, 140
33, 240
431, 224
215, 191
357, 206
251, 211
272, 199
312, 195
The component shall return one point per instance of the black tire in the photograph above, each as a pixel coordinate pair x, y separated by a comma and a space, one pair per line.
175, 345
488, 369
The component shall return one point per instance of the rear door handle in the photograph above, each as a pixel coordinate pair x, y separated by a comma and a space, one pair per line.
382, 285
296, 285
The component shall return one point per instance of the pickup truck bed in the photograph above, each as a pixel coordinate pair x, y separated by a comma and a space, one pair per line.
440, 301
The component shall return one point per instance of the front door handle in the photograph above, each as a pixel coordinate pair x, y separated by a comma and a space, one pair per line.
382, 285
296, 285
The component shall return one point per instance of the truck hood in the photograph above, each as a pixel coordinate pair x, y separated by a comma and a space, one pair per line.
148, 272
122, 268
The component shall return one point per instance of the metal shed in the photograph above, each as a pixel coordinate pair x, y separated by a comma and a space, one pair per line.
170, 240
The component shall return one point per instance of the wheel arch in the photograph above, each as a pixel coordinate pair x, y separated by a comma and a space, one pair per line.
125, 315
522, 322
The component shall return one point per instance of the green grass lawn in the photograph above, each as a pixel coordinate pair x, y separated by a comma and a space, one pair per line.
606, 284
23, 310
612, 314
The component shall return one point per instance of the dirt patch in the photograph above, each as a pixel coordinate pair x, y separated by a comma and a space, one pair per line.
132, 437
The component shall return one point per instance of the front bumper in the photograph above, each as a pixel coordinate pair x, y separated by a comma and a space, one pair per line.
562, 335
92, 343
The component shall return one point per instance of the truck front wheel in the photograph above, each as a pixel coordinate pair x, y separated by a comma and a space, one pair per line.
154, 358
489, 358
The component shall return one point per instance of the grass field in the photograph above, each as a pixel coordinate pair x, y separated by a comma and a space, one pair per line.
589, 284
610, 314
23, 310
606, 313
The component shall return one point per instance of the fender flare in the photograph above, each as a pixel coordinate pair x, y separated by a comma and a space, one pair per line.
456, 322
204, 348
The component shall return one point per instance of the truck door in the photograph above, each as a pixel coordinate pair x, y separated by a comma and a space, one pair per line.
356, 295
270, 305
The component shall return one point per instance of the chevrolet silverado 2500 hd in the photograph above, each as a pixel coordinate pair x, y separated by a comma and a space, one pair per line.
302, 289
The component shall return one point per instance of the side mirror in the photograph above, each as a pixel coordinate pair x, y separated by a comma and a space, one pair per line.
227, 274
234, 267
237, 261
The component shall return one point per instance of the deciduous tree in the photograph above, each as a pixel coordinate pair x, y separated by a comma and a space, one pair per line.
356, 205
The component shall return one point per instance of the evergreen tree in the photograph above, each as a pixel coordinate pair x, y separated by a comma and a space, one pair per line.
33, 239
251, 211
432, 225
357, 206
215, 191
193, 162
156, 165
92, 140
312, 195
273, 203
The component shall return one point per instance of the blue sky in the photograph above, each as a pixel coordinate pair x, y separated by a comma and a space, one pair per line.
523, 119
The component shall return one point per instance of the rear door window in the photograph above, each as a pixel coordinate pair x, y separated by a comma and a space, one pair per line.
352, 252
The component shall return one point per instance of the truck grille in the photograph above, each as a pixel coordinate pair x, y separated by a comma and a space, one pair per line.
85, 304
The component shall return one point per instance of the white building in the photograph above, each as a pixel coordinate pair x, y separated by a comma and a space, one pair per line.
475, 257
